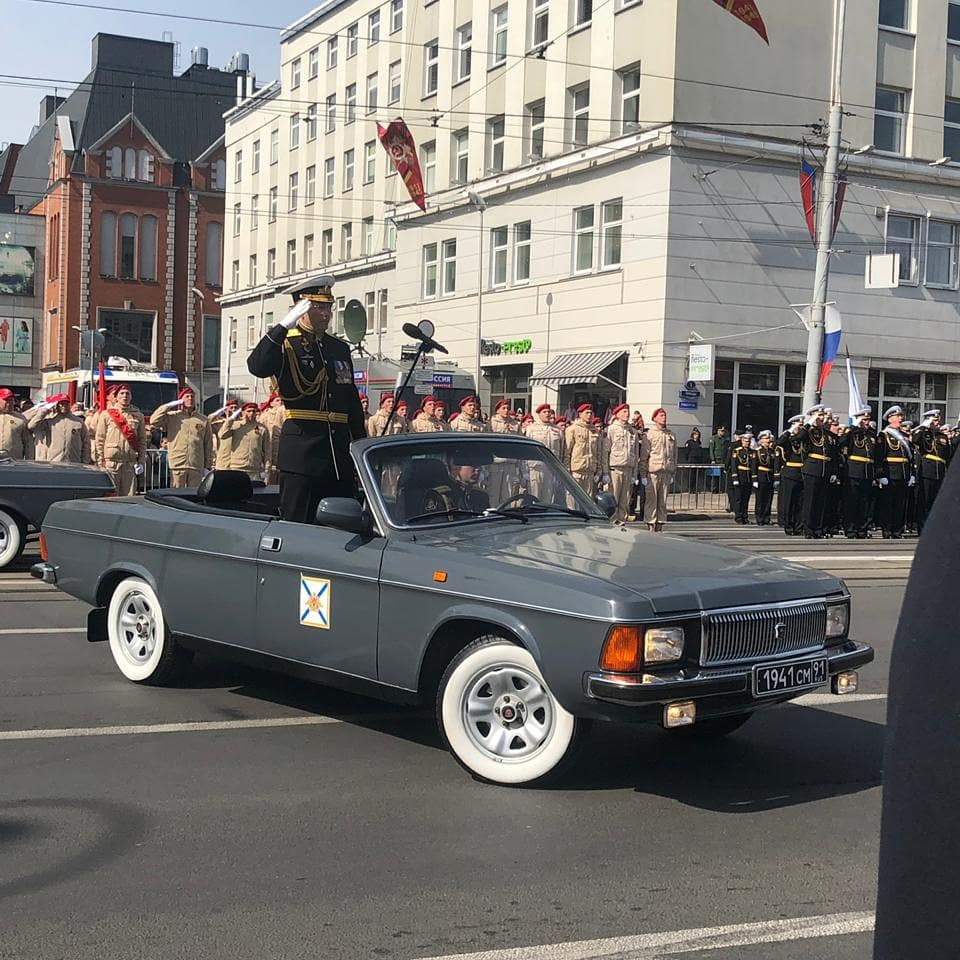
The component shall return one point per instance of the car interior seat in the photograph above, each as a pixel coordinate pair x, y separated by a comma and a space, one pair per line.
417, 479
225, 488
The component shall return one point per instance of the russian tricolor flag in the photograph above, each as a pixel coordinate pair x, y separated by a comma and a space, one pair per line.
831, 343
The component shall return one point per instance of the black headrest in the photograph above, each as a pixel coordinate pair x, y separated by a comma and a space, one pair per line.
225, 486
424, 473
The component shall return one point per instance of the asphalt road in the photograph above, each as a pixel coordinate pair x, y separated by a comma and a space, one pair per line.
251, 816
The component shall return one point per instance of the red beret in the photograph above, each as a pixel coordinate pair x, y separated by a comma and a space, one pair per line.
585, 406
6, 393
526, 418
502, 403
561, 421
619, 407
453, 416
542, 407
264, 407
428, 399
596, 421
402, 403
384, 397
59, 398
467, 400
249, 405
658, 410
117, 387
187, 392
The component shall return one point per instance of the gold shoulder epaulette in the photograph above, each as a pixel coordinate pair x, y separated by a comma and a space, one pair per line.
295, 332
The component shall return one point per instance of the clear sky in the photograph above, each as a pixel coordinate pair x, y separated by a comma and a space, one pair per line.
53, 43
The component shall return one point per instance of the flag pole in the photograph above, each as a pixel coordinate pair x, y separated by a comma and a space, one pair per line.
826, 199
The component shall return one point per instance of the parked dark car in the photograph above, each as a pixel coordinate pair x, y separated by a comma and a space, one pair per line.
28, 488
474, 575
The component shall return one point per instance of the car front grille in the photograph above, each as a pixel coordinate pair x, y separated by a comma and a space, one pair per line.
733, 636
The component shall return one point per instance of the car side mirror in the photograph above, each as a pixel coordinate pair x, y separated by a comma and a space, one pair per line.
607, 503
344, 513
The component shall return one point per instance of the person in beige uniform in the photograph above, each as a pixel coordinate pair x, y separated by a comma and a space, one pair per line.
59, 436
121, 442
658, 463
15, 439
503, 420
544, 431
621, 456
272, 414
218, 421
424, 421
582, 450
378, 421
469, 420
189, 439
249, 443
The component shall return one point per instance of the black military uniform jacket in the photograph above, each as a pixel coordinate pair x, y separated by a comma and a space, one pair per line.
453, 496
820, 452
764, 465
314, 376
892, 458
857, 448
740, 464
930, 452
790, 455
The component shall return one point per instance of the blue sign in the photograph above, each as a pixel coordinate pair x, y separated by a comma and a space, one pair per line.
687, 405
442, 380
359, 376
688, 394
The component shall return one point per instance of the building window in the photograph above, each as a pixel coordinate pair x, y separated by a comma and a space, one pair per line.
393, 82
255, 157
148, 248
330, 114
311, 123
233, 334
218, 178
291, 256
331, 53
915, 392
236, 220
272, 206
521, 252
583, 239
295, 74
348, 170
903, 234
498, 36
448, 266
888, 119
271, 263
145, 166
294, 190
53, 248
953, 21
396, 15
580, 107
353, 31
238, 166
130, 164
464, 53
429, 271
326, 244
310, 186
630, 98
373, 28
951, 129
369, 161
336, 314
495, 139
294, 131
941, 262
254, 211
313, 63
431, 67
350, 106
115, 164
611, 227
213, 255
759, 394
308, 252
370, 306
274, 146
428, 159
389, 233
535, 122
108, 244
367, 237
251, 331
235, 275
382, 312
252, 271
372, 92
893, 13
346, 241
540, 21
128, 246
584, 11
461, 142
499, 249
329, 170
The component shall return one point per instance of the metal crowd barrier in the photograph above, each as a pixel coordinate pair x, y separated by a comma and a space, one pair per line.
698, 488
157, 473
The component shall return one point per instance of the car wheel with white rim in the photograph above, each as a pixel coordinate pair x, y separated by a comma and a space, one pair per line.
140, 639
11, 538
499, 718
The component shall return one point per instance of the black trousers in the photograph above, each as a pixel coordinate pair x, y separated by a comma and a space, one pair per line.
299, 494
791, 500
857, 504
762, 502
928, 488
892, 507
815, 491
741, 500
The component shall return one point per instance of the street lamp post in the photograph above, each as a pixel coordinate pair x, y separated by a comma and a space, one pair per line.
479, 204
198, 301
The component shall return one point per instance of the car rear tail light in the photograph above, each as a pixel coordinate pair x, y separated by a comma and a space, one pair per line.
43, 548
623, 649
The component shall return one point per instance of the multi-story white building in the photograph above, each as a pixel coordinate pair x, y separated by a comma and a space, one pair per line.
608, 181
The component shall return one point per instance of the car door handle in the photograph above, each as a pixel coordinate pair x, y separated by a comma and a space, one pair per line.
271, 543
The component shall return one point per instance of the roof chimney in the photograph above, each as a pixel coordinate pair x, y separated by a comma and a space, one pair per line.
48, 106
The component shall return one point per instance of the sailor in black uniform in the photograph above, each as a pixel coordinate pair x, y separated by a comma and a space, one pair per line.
859, 473
931, 453
893, 457
790, 456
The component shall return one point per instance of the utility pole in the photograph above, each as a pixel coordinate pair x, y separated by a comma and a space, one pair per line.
825, 207
480, 205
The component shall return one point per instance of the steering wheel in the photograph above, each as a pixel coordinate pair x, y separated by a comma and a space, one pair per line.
525, 499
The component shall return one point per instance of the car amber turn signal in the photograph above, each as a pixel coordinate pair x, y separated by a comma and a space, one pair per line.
623, 649
43, 548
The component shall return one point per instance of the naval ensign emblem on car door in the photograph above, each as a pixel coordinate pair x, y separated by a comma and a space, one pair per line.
314, 602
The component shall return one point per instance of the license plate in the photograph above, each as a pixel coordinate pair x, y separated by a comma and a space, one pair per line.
774, 678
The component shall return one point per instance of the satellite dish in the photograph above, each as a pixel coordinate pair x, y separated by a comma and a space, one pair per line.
354, 321
427, 328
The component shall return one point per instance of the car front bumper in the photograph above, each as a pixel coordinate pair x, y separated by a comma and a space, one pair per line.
730, 685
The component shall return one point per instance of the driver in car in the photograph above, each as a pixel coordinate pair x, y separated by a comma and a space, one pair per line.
461, 493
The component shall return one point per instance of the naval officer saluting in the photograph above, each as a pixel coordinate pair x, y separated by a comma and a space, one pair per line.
313, 373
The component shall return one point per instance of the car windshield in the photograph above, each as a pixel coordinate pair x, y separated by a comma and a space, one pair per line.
442, 480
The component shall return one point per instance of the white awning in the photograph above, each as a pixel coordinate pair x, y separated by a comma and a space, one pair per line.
573, 368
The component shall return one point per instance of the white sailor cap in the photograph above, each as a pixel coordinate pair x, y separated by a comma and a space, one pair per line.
863, 412
932, 414
814, 410
828, 411
796, 419
764, 433
746, 435
907, 424
893, 411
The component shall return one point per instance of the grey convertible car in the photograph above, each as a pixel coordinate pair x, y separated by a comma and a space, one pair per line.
472, 573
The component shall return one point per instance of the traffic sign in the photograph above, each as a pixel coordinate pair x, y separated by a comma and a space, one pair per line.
688, 405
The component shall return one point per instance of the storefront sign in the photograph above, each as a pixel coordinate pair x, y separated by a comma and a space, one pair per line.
701, 361
491, 348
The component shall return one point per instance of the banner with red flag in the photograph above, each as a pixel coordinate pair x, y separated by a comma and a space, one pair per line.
102, 390
746, 10
808, 193
398, 141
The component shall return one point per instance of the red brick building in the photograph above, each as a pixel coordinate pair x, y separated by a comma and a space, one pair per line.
129, 175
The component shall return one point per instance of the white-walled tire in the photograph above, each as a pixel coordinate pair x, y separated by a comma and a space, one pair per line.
499, 718
140, 641
11, 538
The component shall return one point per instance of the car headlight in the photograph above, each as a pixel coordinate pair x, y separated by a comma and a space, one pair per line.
629, 647
662, 644
838, 619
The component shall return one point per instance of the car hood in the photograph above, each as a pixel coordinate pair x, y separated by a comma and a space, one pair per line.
674, 574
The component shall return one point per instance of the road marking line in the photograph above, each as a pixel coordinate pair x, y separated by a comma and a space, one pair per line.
650, 945
197, 726
31, 631
833, 699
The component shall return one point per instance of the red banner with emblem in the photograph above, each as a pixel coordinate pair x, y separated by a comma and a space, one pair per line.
746, 10
398, 141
